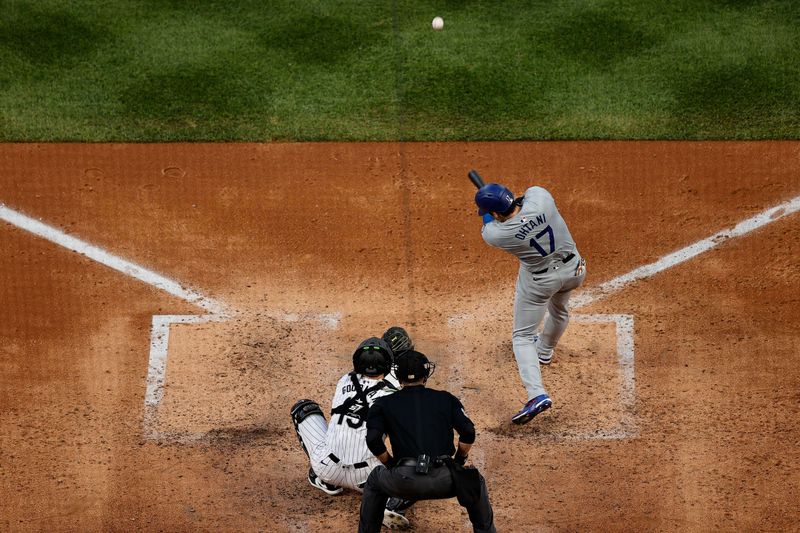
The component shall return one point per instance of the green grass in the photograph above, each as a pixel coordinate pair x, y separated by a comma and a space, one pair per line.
160, 70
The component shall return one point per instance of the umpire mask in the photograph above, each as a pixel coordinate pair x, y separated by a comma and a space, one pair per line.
413, 366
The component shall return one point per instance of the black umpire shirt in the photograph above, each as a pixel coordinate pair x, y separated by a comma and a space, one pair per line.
418, 420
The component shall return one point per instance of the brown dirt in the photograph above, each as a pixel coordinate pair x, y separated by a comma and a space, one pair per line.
384, 234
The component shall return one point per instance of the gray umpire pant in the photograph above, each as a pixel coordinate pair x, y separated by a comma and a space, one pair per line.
404, 482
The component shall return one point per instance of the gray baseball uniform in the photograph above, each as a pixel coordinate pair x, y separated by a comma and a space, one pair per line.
550, 268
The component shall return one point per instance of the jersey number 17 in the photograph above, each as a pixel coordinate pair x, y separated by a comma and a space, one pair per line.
551, 241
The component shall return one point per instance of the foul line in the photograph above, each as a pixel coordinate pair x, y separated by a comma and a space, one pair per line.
159, 337
96, 253
160, 328
159, 334
684, 254
625, 323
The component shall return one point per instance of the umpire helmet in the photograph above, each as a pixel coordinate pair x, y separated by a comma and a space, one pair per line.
373, 357
496, 198
412, 366
398, 340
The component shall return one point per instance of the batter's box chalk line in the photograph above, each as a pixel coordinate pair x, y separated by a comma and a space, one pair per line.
157, 367
217, 311
626, 425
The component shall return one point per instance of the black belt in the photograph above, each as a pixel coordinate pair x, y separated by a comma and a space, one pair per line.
411, 461
565, 260
336, 460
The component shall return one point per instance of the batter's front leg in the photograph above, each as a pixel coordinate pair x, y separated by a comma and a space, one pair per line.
529, 309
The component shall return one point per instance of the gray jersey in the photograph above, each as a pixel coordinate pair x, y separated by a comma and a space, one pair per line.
536, 234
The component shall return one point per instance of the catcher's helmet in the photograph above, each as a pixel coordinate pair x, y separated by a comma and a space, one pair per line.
398, 340
413, 365
495, 197
373, 357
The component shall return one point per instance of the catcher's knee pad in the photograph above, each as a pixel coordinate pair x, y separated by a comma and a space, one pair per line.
303, 409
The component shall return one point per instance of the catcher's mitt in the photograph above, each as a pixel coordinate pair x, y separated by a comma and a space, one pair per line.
397, 338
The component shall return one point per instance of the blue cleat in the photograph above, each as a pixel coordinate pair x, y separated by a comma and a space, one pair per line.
532, 408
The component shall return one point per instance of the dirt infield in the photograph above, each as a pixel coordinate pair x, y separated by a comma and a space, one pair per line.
310, 248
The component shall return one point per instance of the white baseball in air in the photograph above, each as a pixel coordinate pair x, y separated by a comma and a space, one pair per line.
438, 23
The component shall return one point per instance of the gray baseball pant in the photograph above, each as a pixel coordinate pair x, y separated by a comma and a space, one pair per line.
536, 294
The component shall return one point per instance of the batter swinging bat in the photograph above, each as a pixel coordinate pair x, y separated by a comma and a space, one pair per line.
475, 178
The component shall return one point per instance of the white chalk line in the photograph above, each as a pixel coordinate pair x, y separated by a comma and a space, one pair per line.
159, 333
159, 340
159, 344
110, 260
327, 320
626, 427
625, 323
160, 328
157, 367
684, 254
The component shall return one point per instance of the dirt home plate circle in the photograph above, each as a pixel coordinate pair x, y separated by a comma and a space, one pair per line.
624, 392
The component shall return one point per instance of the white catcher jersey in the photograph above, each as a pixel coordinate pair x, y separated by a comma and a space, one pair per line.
536, 234
346, 436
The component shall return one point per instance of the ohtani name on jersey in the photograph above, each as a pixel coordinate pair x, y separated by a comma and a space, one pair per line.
528, 226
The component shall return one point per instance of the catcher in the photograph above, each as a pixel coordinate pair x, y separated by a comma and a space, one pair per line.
338, 450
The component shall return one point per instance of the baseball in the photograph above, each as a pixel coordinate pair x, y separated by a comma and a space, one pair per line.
438, 23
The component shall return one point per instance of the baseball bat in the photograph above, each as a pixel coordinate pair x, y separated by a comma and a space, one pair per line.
475, 178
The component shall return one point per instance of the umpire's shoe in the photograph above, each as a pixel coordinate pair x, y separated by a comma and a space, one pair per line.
327, 488
532, 408
395, 520
394, 514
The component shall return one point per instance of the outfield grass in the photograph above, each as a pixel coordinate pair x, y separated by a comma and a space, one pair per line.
161, 70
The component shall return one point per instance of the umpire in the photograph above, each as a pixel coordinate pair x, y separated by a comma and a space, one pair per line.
419, 423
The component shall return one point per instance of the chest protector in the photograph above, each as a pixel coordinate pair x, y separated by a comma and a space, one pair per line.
356, 407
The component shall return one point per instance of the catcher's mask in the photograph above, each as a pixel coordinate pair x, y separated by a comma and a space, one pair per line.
373, 357
495, 198
412, 366
398, 340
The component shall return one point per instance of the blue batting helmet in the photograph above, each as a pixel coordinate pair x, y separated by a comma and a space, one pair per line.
494, 197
